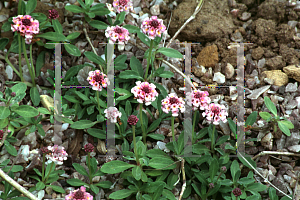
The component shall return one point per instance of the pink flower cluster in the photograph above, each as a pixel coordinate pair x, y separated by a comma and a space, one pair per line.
56, 154
98, 80
26, 26
199, 99
112, 113
144, 92
123, 5
115, 33
215, 113
173, 103
153, 27
79, 194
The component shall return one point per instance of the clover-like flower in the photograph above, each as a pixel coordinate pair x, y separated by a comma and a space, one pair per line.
215, 113
211, 185
123, 5
153, 27
88, 148
144, 92
26, 26
13, 94
98, 80
132, 120
44, 150
115, 33
53, 14
112, 113
199, 99
56, 154
173, 103
223, 169
79, 194
237, 192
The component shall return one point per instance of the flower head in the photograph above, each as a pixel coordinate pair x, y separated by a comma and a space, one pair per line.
79, 194
53, 14
88, 148
223, 169
215, 113
98, 80
123, 5
199, 99
237, 192
153, 27
44, 150
144, 92
26, 26
115, 33
1, 134
173, 103
132, 120
57, 154
211, 185
112, 113
13, 94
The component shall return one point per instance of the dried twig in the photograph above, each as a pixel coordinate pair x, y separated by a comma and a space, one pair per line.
183, 179
296, 186
265, 179
17, 186
198, 8
274, 153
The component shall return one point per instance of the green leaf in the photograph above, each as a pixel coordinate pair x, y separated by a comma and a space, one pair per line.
245, 181
284, 128
31, 4
19, 88
40, 129
97, 7
270, 105
94, 58
163, 163
213, 168
40, 185
265, 115
4, 112
76, 182
101, 134
26, 111
94, 188
40, 62
162, 89
170, 52
6, 27
136, 66
166, 74
200, 148
137, 173
168, 194
222, 139
130, 74
72, 49
251, 118
73, 36
88, 3
156, 136
80, 169
3, 122
53, 36
83, 124
57, 189
158, 192
232, 125
124, 94
131, 28
3, 43
256, 187
72, 72
141, 148
104, 184
120, 18
248, 158
115, 166
234, 168
35, 96
143, 38
98, 24
128, 108
288, 124
82, 96
121, 194
99, 11
253, 197
57, 26
154, 125
272, 194
10, 149
74, 9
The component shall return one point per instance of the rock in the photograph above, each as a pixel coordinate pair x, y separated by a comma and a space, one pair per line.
154, 10
291, 87
269, 81
219, 78
229, 71
3, 18
264, 31
245, 16
280, 78
199, 71
9, 72
272, 9
208, 57
250, 83
257, 53
294, 148
293, 72
225, 127
257, 92
237, 37
275, 63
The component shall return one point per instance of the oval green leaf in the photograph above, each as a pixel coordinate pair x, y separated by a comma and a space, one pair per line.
72, 49
270, 105
82, 124
26, 111
115, 166
170, 52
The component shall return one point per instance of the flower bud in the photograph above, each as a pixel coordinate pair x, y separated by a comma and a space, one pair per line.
89, 148
237, 192
44, 150
211, 185
13, 94
132, 120
223, 169
53, 14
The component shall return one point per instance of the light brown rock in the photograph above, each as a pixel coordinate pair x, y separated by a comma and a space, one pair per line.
278, 76
208, 57
293, 72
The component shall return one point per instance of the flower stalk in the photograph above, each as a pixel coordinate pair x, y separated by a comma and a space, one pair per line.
148, 60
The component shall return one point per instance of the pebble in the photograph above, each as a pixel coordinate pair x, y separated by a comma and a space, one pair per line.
59, 5
269, 81
3, 18
155, 10
9, 72
257, 92
229, 71
245, 16
292, 23
219, 78
291, 87
291, 105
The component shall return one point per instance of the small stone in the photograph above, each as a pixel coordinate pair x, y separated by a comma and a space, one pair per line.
128, 47
261, 63
294, 148
245, 16
154, 10
250, 83
229, 71
257, 92
291, 87
3, 18
293, 72
278, 76
9, 72
208, 57
269, 81
257, 53
291, 105
219, 78
237, 37
225, 127
45, 1
275, 63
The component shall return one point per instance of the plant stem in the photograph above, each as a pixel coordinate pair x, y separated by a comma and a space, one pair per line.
31, 60
134, 146
9, 63
172, 124
19, 7
148, 60
194, 123
213, 139
141, 118
20, 59
22, 127
27, 61
98, 100
43, 168
89, 166
52, 164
